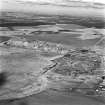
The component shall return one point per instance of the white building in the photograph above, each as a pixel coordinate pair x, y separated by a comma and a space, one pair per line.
17, 41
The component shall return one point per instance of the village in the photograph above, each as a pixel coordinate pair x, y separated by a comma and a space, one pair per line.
36, 45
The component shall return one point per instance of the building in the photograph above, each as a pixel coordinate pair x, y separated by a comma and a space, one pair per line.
17, 41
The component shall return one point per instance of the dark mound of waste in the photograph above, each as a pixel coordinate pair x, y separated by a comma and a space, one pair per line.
78, 61
79, 70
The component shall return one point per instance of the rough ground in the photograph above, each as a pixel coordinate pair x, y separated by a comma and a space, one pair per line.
21, 63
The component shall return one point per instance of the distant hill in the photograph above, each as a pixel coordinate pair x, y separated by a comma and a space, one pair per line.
31, 19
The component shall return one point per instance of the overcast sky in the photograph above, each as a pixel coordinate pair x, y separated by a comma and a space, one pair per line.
99, 1
15, 5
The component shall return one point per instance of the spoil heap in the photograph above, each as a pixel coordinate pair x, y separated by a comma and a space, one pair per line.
79, 70
79, 61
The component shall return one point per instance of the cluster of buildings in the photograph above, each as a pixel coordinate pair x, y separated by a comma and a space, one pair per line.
37, 45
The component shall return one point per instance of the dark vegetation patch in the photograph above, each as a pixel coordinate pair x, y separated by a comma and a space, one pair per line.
3, 78
6, 24
4, 38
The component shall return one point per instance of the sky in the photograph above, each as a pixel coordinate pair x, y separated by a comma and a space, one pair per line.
98, 1
25, 6
53, 1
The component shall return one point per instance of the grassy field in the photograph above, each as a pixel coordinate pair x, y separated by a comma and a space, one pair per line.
68, 39
21, 68
51, 97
